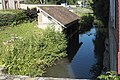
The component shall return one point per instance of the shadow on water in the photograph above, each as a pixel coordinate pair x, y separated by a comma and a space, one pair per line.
85, 29
99, 49
73, 46
85, 56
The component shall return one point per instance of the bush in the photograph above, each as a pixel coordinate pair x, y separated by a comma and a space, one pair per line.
112, 75
6, 19
31, 14
12, 17
30, 56
86, 20
20, 17
98, 22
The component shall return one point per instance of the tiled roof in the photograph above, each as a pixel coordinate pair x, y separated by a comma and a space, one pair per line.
61, 14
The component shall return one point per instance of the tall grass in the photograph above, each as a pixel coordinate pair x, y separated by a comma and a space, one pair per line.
31, 50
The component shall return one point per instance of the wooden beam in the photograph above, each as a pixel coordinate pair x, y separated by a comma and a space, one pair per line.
119, 36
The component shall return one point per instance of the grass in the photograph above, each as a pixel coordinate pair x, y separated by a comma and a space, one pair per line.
34, 52
81, 11
84, 10
22, 30
9, 11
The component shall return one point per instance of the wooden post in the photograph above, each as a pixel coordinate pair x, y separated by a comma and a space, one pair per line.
119, 36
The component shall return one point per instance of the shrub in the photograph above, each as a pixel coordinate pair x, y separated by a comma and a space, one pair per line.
30, 56
98, 22
86, 20
31, 14
12, 17
112, 75
20, 17
6, 19
86, 23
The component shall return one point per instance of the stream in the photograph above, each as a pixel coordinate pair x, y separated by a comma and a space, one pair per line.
85, 56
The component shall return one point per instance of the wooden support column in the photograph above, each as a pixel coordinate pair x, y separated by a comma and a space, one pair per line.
119, 36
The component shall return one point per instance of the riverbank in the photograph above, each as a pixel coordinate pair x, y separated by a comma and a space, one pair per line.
29, 50
86, 61
10, 77
20, 77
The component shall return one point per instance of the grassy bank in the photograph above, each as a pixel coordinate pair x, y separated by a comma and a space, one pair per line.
9, 11
27, 50
87, 17
23, 30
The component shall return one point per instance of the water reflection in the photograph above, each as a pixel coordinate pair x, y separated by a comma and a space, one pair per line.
85, 29
73, 46
85, 56
99, 48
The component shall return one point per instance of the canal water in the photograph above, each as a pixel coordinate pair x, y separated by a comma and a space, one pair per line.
85, 56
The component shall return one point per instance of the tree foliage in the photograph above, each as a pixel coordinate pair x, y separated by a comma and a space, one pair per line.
15, 17
34, 1
101, 10
112, 75
71, 2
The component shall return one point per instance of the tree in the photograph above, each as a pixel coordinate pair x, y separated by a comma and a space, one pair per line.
71, 2
35, 1
101, 10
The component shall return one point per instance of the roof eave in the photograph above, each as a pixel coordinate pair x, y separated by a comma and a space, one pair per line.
71, 23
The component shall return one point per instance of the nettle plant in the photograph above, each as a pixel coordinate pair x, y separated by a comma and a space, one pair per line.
31, 56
